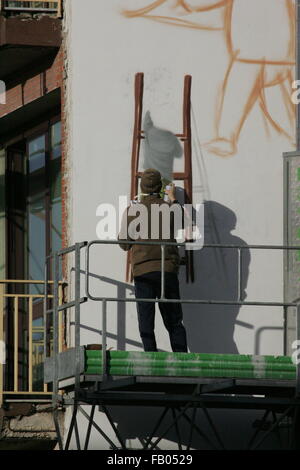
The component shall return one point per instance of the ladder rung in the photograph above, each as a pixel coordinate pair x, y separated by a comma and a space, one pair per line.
182, 137
176, 176
180, 176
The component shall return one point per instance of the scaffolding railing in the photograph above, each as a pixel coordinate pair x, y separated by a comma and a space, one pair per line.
32, 6
76, 302
27, 341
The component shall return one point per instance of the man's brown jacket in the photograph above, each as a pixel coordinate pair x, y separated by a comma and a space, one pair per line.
147, 258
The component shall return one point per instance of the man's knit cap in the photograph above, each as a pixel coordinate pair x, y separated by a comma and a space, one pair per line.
151, 181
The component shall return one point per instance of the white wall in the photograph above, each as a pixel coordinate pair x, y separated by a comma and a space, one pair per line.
242, 172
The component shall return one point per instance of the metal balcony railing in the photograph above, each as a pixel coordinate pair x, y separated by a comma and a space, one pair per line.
24, 341
55, 6
78, 300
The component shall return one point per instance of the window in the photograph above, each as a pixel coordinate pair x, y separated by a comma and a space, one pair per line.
34, 228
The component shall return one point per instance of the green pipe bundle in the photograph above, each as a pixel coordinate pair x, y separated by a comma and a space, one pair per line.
134, 363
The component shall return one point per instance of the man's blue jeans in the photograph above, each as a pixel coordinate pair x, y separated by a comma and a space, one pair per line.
148, 286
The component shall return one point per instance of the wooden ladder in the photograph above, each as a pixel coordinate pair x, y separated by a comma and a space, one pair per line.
185, 176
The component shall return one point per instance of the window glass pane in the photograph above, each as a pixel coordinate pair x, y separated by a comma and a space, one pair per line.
36, 210
56, 140
36, 154
56, 209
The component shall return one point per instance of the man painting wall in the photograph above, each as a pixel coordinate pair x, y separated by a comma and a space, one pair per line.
146, 266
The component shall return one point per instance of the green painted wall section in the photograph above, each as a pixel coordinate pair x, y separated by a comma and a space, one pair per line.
192, 365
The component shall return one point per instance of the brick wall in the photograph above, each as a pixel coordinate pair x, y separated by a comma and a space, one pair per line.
61, 75
36, 86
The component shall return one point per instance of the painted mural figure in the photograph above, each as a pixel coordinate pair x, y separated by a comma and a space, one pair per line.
260, 57
160, 148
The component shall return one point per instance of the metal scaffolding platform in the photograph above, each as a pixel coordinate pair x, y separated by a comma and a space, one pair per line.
182, 384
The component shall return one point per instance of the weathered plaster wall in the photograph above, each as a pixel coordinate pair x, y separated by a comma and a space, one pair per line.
242, 122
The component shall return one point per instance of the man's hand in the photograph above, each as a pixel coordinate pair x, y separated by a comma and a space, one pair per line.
171, 192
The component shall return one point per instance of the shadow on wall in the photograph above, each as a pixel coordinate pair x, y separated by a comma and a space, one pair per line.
234, 427
210, 328
123, 290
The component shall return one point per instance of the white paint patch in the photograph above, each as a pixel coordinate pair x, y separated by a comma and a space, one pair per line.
259, 364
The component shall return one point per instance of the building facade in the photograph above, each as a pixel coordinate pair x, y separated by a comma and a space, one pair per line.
241, 57
32, 131
67, 134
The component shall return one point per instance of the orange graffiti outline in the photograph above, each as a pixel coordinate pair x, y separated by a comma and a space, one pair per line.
258, 90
